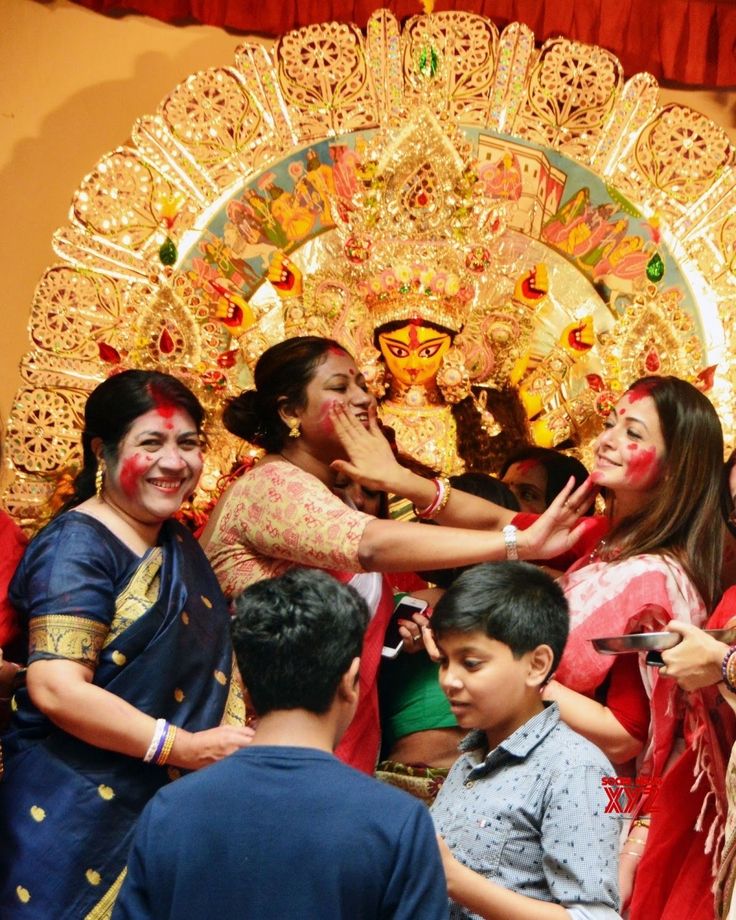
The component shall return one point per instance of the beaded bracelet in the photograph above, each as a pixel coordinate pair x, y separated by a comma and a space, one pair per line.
157, 740
728, 669
442, 496
168, 744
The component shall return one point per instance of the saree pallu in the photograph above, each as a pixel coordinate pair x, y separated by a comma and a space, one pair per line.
674, 877
68, 809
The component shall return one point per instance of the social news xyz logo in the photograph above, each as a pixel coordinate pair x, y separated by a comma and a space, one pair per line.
625, 795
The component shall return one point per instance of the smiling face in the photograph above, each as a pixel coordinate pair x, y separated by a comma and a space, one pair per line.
413, 353
527, 479
336, 379
488, 689
158, 465
630, 451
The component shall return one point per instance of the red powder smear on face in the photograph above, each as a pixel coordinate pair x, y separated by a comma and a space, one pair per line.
526, 465
164, 406
131, 472
641, 391
596, 476
643, 466
622, 411
325, 422
336, 350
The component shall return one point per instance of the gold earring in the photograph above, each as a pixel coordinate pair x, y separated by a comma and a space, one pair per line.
99, 478
294, 431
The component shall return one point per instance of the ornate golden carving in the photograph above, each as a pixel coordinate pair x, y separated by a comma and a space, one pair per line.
110, 302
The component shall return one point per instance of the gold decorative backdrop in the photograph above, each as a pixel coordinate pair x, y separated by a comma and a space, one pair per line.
147, 277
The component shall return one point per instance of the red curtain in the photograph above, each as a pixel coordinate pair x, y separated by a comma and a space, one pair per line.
691, 42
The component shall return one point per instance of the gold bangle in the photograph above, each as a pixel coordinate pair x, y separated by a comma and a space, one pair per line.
642, 822
168, 745
632, 855
730, 674
446, 496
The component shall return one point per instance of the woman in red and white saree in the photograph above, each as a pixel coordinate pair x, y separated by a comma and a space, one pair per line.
655, 557
659, 461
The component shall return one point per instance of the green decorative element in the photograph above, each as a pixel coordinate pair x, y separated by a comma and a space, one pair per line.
428, 61
167, 253
622, 201
655, 268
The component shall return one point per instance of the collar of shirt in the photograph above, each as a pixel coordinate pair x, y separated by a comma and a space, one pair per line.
517, 746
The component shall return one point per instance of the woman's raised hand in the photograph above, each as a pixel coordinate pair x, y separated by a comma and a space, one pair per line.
559, 528
194, 750
371, 459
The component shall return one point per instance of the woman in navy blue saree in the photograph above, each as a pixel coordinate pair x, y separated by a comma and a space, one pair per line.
130, 664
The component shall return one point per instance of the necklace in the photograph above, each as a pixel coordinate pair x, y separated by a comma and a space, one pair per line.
600, 553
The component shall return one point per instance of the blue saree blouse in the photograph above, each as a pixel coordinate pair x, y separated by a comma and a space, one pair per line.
155, 631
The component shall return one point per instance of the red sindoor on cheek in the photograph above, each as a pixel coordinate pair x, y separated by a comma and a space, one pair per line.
131, 472
325, 422
643, 465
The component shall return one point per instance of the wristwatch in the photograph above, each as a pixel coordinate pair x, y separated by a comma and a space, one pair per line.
509, 536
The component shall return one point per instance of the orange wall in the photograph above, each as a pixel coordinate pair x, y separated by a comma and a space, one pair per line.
71, 84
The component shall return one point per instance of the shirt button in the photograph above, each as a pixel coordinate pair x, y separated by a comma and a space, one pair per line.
469, 783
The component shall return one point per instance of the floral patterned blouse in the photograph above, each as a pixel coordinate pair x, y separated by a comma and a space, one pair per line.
277, 516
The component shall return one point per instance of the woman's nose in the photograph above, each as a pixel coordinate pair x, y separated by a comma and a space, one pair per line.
361, 397
172, 458
606, 438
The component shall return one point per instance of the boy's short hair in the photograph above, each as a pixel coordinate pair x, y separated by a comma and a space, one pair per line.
294, 638
513, 602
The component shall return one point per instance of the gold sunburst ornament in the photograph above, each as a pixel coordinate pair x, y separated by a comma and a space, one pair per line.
614, 251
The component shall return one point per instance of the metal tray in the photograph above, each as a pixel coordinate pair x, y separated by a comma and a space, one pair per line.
652, 641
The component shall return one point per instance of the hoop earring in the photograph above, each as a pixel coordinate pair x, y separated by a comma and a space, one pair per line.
294, 431
99, 478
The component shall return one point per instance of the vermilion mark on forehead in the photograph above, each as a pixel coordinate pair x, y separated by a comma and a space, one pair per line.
131, 472
622, 411
525, 465
640, 391
164, 406
336, 350
413, 336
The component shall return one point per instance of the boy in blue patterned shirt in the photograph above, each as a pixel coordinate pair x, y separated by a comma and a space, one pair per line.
521, 813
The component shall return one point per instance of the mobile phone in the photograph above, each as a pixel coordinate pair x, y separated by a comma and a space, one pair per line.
392, 641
